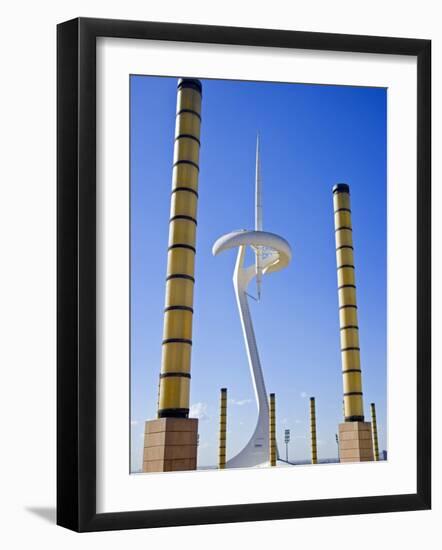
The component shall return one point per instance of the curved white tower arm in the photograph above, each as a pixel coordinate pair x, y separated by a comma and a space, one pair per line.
276, 254
279, 247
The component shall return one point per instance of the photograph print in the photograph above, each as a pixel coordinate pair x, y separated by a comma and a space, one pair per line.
258, 270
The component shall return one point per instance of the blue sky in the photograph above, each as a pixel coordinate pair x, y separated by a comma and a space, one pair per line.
312, 136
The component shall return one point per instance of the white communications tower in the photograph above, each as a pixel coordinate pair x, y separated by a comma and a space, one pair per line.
272, 253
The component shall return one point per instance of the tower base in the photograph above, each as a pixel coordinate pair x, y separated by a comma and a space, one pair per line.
170, 445
355, 442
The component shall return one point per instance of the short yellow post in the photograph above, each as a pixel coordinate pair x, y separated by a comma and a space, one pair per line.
272, 431
313, 431
222, 429
374, 431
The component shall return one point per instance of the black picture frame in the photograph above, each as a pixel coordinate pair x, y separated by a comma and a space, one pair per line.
76, 274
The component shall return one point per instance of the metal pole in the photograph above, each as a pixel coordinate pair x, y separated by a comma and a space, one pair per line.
272, 431
374, 431
313, 431
287, 441
222, 429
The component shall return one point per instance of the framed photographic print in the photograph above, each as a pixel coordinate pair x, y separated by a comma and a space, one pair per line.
243, 274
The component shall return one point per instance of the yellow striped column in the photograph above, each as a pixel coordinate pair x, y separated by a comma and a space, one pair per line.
171, 440
348, 319
272, 431
354, 434
313, 431
374, 431
222, 429
180, 278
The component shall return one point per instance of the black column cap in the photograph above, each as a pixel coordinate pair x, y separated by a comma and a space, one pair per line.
341, 188
193, 83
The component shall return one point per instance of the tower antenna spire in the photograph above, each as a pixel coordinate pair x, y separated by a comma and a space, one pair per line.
258, 193
258, 219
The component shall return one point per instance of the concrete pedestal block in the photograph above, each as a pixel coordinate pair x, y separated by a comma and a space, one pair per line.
355, 442
170, 445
